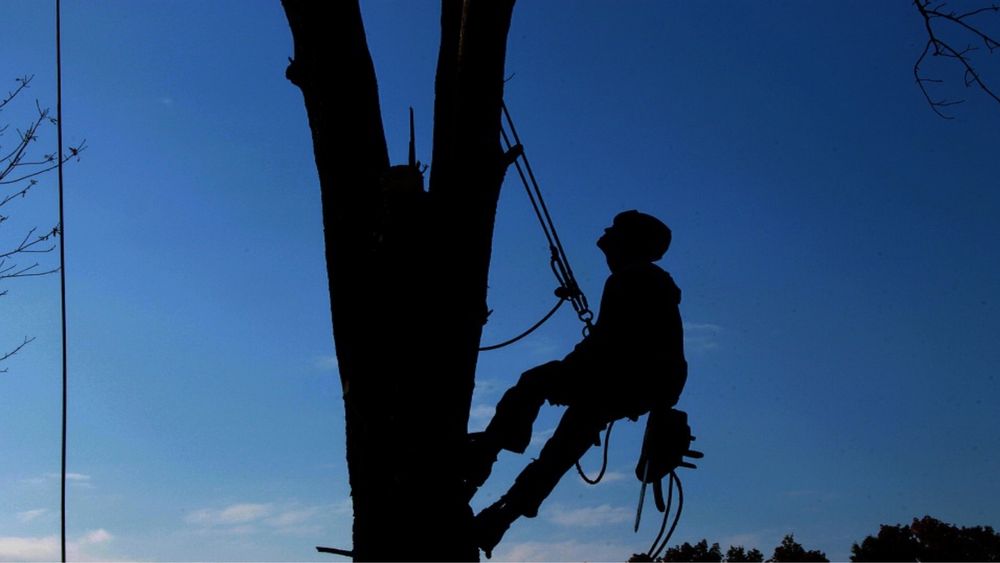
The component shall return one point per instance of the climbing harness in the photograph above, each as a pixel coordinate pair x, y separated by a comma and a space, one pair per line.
569, 289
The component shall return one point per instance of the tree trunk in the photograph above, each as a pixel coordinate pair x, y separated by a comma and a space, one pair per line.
407, 268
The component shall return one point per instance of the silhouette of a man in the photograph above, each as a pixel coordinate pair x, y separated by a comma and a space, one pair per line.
631, 363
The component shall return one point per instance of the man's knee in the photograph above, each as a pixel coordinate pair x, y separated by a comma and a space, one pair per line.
541, 379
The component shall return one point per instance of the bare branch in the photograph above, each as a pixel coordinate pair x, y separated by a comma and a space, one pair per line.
19, 169
15, 351
74, 152
937, 46
22, 83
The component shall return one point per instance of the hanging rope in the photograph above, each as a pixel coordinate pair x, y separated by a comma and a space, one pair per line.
654, 550
604, 460
62, 277
527, 332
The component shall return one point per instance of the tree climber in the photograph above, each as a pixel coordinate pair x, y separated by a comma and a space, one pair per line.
631, 363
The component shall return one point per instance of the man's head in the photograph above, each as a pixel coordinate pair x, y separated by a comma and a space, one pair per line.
634, 236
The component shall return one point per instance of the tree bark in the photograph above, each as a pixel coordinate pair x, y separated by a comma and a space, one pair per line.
407, 268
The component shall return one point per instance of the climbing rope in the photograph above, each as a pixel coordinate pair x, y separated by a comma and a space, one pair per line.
569, 289
559, 261
527, 332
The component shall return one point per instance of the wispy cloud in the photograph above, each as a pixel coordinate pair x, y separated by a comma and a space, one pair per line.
571, 550
13, 548
540, 437
233, 514
326, 363
293, 519
479, 416
701, 337
79, 480
587, 517
29, 515
255, 518
96, 536
48, 548
486, 388
609, 477
545, 347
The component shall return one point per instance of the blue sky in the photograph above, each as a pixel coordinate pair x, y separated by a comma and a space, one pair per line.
834, 239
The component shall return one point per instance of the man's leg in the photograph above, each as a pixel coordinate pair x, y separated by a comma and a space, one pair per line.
575, 434
517, 410
510, 428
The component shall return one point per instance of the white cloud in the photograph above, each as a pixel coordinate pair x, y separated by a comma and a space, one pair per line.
545, 347
47, 548
78, 480
239, 513
539, 438
701, 337
294, 517
588, 517
571, 550
326, 363
230, 515
480, 415
29, 548
486, 387
75, 477
165, 100
289, 518
29, 515
96, 536
609, 477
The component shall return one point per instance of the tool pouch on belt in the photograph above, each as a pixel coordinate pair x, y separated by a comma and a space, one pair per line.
667, 442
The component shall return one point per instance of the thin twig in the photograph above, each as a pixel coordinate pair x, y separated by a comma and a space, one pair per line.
938, 47
15, 351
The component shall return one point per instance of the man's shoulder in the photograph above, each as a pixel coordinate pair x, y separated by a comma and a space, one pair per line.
645, 271
645, 277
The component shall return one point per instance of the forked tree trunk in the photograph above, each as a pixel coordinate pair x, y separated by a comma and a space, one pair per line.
407, 270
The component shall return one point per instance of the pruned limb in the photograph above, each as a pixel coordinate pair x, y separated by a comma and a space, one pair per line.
968, 23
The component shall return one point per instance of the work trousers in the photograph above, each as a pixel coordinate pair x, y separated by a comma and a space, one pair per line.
578, 430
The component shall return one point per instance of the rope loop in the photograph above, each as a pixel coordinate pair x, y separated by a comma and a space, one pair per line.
604, 460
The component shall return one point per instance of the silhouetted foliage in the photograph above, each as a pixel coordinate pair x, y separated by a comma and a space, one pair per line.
791, 550
929, 539
737, 554
697, 552
701, 551
19, 172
